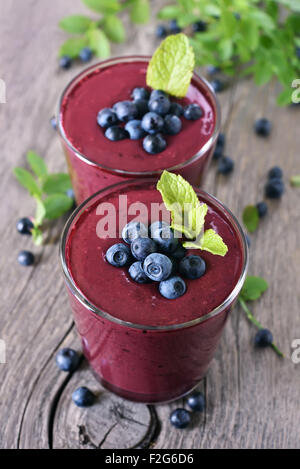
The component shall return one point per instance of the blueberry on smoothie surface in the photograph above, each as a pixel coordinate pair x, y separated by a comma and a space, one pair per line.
172, 288
154, 144
193, 112
165, 238
115, 133
126, 110
161, 105
192, 267
137, 273
133, 230
119, 255
152, 123
172, 125
106, 118
157, 267
142, 247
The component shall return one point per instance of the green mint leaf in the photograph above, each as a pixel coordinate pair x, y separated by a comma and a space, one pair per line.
210, 241
39, 213
251, 218
140, 12
57, 183
253, 288
56, 205
295, 180
37, 236
103, 6
114, 28
285, 97
37, 164
169, 12
99, 43
26, 179
73, 46
75, 24
171, 67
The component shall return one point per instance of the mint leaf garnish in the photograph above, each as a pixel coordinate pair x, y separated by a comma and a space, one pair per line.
26, 179
140, 11
188, 214
171, 67
114, 28
99, 43
73, 46
37, 164
295, 181
56, 205
103, 6
252, 290
75, 24
251, 218
55, 183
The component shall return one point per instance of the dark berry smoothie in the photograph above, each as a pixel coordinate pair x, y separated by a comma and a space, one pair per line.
140, 345
95, 162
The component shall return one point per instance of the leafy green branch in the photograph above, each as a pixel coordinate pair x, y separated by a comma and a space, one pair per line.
252, 290
248, 35
48, 190
98, 33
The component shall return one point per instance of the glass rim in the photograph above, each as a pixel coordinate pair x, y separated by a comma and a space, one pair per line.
91, 307
124, 59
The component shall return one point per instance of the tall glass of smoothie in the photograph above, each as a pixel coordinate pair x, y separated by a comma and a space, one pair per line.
142, 346
95, 162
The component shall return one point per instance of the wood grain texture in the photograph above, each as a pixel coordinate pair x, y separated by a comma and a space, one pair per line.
252, 397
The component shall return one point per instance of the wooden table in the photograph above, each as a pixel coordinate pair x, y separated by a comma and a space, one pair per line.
252, 396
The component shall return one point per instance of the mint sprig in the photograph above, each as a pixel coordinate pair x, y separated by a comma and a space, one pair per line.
251, 218
188, 214
48, 191
247, 38
98, 33
171, 67
252, 290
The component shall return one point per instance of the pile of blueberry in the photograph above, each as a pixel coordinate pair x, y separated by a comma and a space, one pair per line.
274, 187
24, 227
157, 256
149, 116
85, 55
181, 418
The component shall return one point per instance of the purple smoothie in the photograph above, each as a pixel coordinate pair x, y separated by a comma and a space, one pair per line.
95, 162
142, 346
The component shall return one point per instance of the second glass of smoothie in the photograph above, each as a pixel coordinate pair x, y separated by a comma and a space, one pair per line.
95, 162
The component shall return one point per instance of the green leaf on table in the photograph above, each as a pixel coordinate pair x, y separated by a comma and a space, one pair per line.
73, 46
99, 43
57, 183
171, 67
228, 22
169, 12
114, 28
26, 179
253, 288
140, 12
75, 24
103, 6
295, 180
285, 97
37, 164
251, 218
39, 213
56, 205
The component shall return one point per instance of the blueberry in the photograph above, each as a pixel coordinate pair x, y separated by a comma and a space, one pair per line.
263, 338
67, 360
237, 16
179, 253
172, 125
262, 209
174, 28
83, 397
192, 267
135, 130
217, 85
193, 112
165, 239
86, 54
70, 194
156, 225
212, 70
157, 93
161, 105
161, 31
106, 118
152, 123
196, 401
115, 133
225, 165
126, 111
53, 122
143, 247
140, 93
142, 107
199, 27
157, 267
180, 418
26, 258
172, 288
134, 230
118, 255
137, 273
262, 127
221, 140
176, 109
65, 62
275, 173
274, 188
218, 152
298, 52
24, 226
154, 144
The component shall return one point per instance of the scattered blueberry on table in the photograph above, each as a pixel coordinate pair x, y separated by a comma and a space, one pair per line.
212, 70
263, 338
262, 127
199, 27
67, 360
275, 172
225, 165
180, 418
65, 62
26, 258
262, 209
53, 123
86, 54
161, 31
274, 187
174, 28
83, 397
217, 85
196, 401
220, 147
25, 226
